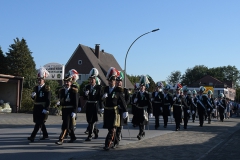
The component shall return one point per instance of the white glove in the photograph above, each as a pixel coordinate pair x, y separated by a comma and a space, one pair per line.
79, 109
125, 115
86, 92
150, 115
58, 103
44, 111
135, 100
208, 109
161, 108
105, 96
174, 99
214, 110
73, 115
33, 94
188, 111
193, 112
152, 99
102, 110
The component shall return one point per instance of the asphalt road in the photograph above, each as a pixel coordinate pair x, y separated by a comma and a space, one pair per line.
219, 140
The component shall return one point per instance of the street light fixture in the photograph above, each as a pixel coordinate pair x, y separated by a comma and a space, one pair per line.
125, 84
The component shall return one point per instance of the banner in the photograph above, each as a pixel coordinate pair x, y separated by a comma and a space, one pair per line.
56, 71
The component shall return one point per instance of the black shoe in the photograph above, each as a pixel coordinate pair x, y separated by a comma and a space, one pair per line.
177, 129
106, 148
59, 142
200, 125
88, 139
193, 121
96, 134
44, 137
156, 126
165, 126
30, 139
72, 140
86, 132
209, 122
185, 127
114, 146
139, 137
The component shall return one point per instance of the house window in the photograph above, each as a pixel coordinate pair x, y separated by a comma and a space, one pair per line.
79, 62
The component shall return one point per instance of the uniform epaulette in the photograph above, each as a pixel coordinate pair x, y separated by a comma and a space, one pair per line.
75, 90
47, 88
74, 85
60, 89
119, 89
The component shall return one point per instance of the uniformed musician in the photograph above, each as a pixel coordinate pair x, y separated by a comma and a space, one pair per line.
201, 105
112, 96
143, 107
126, 96
42, 96
93, 96
167, 104
69, 102
157, 102
177, 106
221, 104
210, 105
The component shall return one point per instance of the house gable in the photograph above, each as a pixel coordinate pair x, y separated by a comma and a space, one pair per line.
93, 58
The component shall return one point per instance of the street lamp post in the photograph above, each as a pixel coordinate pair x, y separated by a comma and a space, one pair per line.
128, 51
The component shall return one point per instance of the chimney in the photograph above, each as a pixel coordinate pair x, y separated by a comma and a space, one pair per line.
97, 51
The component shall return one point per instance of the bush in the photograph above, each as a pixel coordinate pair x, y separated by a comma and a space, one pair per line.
27, 102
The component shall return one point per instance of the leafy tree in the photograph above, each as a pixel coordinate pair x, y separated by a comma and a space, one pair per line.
3, 64
174, 78
54, 87
193, 74
21, 63
133, 79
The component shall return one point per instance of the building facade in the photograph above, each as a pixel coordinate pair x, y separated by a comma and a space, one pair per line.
85, 58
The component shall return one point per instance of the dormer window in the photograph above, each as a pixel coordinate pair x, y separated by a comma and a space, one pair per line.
79, 62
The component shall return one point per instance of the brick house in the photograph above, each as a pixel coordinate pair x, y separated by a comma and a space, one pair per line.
85, 58
215, 85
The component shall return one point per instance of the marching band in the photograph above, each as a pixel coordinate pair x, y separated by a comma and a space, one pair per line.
112, 101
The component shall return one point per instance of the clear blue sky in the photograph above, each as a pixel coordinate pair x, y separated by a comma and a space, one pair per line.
192, 32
